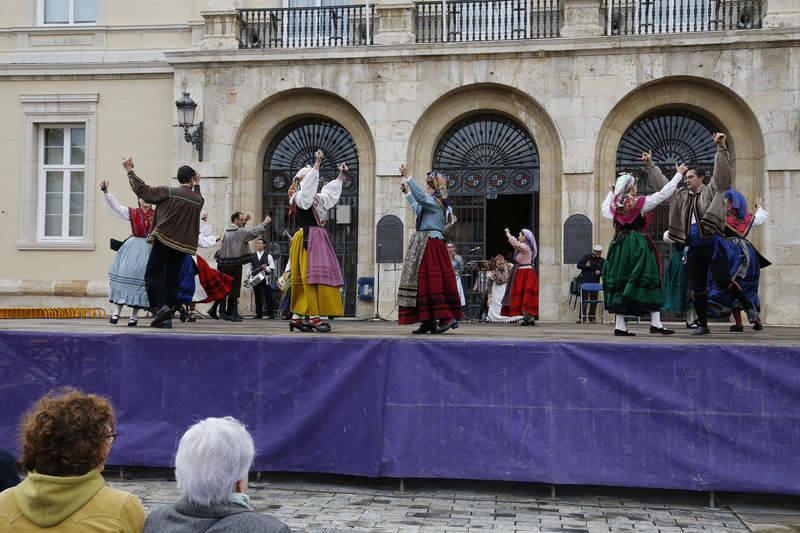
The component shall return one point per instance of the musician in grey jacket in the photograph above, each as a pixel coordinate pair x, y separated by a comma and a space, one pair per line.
211, 467
233, 254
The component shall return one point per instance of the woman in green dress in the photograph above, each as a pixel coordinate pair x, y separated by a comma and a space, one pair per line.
632, 272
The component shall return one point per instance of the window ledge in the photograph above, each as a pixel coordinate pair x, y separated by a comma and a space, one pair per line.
76, 246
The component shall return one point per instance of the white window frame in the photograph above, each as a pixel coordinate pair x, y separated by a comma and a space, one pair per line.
66, 190
40, 15
55, 110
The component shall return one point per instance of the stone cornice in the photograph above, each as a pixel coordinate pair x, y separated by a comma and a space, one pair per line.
92, 28
603, 45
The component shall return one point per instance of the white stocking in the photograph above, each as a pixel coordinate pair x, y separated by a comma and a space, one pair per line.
117, 309
621, 323
135, 313
655, 319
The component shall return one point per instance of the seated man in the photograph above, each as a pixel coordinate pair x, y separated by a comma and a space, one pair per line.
211, 466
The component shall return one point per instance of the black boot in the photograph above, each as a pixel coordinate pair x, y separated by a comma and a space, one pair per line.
235, 312
700, 306
212, 311
233, 316
749, 308
223, 309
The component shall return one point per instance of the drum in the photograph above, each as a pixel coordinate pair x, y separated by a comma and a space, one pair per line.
255, 279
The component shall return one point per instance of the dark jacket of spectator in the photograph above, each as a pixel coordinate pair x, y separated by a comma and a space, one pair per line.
8, 471
588, 273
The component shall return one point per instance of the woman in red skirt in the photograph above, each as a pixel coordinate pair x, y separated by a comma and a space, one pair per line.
428, 292
522, 290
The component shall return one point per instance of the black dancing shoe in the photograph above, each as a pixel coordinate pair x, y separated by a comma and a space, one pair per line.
132, 323
164, 324
114, 319
737, 327
451, 324
299, 324
757, 325
164, 313
183, 312
317, 324
702, 330
623, 333
429, 326
662, 330
692, 325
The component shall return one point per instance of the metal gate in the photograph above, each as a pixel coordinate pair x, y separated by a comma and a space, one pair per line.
485, 157
291, 149
674, 136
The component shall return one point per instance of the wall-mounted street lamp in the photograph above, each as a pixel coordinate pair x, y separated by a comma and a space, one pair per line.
186, 108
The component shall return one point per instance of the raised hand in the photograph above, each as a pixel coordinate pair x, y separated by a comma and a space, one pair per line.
647, 156
319, 155
719, 138
127, 164
267, 219
681, 168
404, 170
104, 185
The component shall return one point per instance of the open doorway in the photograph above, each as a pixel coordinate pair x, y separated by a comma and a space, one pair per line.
512, 211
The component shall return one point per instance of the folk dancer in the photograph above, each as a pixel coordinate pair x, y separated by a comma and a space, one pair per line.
744, 261
126, 275
697, 220
316, 274
632, 271
498, 281
522, 290
173, 235
428, 290
233, 255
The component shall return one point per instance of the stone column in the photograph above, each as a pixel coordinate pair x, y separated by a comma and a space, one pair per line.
395, 24
781, 13
221, 29
581, 18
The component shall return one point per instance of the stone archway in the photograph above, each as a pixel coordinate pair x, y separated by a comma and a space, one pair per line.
463, 102
702, 97
267, 119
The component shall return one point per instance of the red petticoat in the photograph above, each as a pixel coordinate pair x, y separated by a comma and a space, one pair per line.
437, 293
215, 283
524, 294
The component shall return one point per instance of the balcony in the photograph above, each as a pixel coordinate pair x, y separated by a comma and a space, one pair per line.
636, 17
484, 21
307, 27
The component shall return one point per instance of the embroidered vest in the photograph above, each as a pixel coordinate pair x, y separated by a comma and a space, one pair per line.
740, 226
140, 221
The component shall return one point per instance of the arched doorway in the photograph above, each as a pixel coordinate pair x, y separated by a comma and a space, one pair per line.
292, 148
492, 167
674, 136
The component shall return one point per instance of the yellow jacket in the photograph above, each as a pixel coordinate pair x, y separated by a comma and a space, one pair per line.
69, 504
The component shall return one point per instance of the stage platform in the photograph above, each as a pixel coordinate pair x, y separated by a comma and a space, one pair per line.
554, 403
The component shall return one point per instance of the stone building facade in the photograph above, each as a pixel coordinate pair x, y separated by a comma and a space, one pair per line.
570, 101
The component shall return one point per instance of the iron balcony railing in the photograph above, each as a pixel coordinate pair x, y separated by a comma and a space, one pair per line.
636, 17
307, 27
487, 20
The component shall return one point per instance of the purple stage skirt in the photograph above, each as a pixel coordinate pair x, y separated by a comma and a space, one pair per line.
323, 267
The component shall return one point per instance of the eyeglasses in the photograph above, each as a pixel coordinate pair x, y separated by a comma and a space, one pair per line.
112, 437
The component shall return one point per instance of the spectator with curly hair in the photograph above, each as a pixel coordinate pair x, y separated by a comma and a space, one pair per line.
65, 439
211, 466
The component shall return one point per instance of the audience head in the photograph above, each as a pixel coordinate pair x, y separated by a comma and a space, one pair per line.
67, 433
597, 250
186, 174
214, 455
260, 244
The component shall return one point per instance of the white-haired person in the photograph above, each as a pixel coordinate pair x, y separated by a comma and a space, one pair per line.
632, 271
211, 467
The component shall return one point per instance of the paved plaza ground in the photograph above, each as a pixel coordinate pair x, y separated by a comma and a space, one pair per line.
317, 503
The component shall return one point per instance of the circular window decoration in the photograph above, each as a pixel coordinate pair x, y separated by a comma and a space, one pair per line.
452, 181
497, 180
473, 181
521, 180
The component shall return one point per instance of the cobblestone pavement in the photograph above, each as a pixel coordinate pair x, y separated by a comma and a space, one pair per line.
327, 504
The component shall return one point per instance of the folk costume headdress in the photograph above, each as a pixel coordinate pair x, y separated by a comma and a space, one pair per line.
439, 185
625, 206
738, 203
